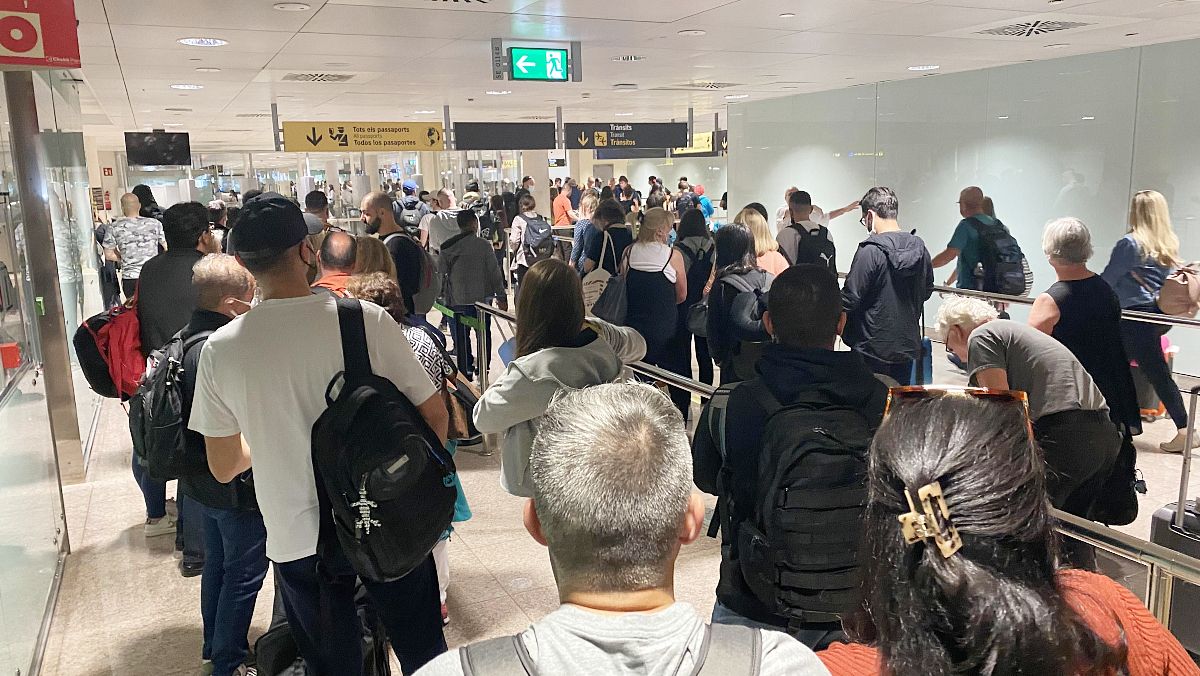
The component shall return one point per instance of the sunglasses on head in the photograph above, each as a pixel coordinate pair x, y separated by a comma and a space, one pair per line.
921, 392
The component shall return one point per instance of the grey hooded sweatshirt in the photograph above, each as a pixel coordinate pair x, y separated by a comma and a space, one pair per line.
518, 399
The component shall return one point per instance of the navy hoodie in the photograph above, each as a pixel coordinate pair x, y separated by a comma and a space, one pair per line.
889, 281
840, 378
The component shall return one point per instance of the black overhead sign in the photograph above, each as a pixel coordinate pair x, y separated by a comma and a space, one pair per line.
631, 153
503, 136
627, 135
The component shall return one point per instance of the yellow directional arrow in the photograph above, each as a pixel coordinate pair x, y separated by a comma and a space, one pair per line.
583, 139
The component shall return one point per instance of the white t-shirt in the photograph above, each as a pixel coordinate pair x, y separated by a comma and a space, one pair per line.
264, 375
783, 217
652, 257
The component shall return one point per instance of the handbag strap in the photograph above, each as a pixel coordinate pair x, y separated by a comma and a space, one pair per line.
604, 247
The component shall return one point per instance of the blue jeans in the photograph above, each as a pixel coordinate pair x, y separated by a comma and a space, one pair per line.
235, 563
463, 346
1143, 343
153, 492
318, 595
190, 530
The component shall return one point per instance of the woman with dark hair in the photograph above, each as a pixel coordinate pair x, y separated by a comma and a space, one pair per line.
150, 208
497, 230
558, 348
962, 569
606, 193
695, 243
735, 304
757, 206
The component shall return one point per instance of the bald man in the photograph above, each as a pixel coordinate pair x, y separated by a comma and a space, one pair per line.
132, 240
335, 262
964, 245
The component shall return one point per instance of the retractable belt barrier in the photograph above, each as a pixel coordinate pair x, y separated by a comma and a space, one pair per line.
1160, 567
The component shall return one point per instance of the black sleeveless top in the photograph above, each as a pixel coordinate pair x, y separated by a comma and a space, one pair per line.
1089, 325
651, 307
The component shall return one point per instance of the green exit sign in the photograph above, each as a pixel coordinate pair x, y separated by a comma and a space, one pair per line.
533, 63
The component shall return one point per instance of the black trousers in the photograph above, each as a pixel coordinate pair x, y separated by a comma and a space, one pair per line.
129, 287
1080, 448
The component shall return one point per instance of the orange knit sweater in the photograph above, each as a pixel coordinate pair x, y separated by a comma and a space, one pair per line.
1110, 610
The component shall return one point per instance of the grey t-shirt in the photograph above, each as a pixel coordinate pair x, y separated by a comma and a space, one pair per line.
442, 226
572, 640
1037, 364
137, 240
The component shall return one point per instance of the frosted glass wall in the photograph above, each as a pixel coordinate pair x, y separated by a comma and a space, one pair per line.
1067, 137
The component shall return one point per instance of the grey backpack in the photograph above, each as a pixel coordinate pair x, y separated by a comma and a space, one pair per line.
727, 650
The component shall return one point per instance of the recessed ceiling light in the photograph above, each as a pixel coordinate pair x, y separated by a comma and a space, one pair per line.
1057, 45
186, 86
628, 58
734, 97
495, 92
203, 42
1001, 117
1087, 118
424, 112
292, 6
924, 67
693, 33
173, 124
623, 114
208, 70
787, 15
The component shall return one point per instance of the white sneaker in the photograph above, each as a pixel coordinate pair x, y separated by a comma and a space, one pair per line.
156, 527
1176, 445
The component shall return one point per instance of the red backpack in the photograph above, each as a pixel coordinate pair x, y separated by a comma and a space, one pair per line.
109, 347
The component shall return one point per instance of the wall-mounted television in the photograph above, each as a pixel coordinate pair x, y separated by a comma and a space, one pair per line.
158, 148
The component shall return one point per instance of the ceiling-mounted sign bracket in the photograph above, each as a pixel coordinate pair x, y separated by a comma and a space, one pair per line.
499, 59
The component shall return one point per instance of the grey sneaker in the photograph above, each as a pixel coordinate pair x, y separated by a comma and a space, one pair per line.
206, 668
156, 527
1176, 445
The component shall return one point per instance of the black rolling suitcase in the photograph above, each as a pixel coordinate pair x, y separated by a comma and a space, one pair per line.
1180, 530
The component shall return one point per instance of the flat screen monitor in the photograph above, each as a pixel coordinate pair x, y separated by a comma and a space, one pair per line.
158, 148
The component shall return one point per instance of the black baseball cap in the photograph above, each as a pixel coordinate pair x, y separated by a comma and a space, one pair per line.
267, 225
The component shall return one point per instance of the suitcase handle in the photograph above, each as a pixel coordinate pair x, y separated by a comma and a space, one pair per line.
1186, 472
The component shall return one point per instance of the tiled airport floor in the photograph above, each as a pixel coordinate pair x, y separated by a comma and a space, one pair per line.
124, 609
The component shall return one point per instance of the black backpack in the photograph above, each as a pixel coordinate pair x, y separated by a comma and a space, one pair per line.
383, 476
156, 412
1003, 264
797, 546
408, 217
814, 248
538, 240
727, 650
684, 202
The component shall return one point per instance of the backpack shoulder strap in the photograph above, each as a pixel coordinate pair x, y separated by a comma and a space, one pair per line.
738, 282
355, 356
729, 650
762, 394
504, 656
194, 340
718, 413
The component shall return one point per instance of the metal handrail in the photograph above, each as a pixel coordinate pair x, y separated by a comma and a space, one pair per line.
1135, 315
1164, 565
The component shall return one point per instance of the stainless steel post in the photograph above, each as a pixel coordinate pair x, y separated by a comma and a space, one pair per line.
30, 168
483, 351
1186, 472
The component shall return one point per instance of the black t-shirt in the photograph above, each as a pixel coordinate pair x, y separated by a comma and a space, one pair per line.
166, 296
621, 238
408, 257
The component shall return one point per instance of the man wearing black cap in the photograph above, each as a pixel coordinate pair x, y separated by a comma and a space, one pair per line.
260, 387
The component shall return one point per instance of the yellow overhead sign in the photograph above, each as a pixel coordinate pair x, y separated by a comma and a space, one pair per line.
701, 143
340, 137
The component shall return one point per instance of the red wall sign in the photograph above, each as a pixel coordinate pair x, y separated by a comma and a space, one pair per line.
39, 34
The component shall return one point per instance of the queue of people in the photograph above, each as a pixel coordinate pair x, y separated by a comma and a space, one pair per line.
861, 529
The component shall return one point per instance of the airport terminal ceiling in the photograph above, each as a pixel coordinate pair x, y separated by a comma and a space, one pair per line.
401, 60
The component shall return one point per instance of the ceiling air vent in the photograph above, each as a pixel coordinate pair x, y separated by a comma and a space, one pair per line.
253, 116
697, 86
1028, 29
537, 117
625, 86
178, 110
317, 77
